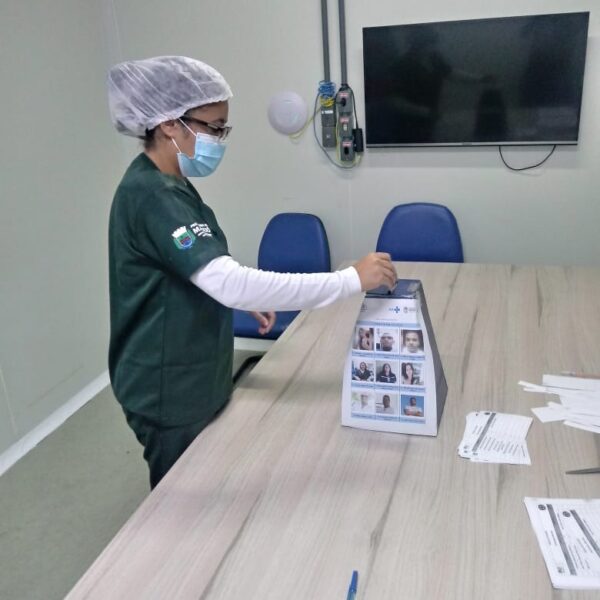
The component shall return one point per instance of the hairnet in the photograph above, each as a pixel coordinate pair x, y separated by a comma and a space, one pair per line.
144, 93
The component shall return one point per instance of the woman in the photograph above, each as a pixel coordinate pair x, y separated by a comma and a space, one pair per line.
386, 375
362, 373
172, 281
408, 375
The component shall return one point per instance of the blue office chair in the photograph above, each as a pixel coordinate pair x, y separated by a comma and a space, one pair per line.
421, 231
291, 243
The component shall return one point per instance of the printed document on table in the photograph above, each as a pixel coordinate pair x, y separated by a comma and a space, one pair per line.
568, 533
496, 437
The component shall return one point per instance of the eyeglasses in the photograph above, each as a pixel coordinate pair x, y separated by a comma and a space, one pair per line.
221, 131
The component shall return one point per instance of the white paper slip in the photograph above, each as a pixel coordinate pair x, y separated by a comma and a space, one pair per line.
581, 404
572, 383
583, 418
548, 414
568, 533
575, 394
579, 401
533, 387
584, 426
496, 437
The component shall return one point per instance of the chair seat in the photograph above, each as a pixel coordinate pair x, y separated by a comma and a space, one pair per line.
245, 325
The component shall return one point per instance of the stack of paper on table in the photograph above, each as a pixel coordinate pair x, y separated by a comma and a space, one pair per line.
568, 532
496, 437
579, 401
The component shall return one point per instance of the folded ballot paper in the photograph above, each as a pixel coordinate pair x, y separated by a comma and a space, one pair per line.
568, 533
579, 401
496, 438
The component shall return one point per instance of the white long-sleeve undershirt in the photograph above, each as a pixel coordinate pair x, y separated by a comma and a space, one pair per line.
246, 288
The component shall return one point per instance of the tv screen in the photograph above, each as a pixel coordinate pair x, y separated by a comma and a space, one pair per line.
512, 80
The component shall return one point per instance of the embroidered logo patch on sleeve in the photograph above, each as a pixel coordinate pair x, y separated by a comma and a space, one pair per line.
201, 229
182, 238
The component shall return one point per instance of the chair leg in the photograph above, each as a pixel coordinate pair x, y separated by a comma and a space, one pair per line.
250, 361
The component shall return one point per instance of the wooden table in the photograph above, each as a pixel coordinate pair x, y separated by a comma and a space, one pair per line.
276, 500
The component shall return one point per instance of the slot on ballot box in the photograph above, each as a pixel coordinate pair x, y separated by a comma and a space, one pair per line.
393, 376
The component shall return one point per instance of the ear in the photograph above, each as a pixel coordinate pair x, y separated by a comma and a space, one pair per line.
169, 128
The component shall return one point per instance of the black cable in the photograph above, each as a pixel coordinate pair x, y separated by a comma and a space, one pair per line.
526, 168
354, 105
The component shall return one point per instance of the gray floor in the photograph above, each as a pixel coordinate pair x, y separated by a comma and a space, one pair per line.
63, 502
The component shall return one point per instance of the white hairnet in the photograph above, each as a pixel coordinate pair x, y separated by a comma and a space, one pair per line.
144, 93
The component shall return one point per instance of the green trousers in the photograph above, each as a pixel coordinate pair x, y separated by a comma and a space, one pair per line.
162, 445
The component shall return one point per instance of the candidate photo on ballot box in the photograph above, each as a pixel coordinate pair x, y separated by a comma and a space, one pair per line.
386, 371
363, 370
412, 406
387, 339
363, 401
411, 373
412, 341
387, 404
363, 339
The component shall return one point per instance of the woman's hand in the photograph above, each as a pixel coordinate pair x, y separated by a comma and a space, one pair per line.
376, 269
266, 320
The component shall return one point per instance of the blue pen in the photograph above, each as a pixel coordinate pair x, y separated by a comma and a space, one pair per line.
353, 584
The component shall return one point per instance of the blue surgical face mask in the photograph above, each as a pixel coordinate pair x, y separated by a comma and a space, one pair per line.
208, 152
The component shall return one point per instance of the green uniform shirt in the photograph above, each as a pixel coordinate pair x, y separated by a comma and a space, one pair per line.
171, 345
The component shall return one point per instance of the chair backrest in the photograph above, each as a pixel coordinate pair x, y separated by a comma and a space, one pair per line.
294, 243
421, 231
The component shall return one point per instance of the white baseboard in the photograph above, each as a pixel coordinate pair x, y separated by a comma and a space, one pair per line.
31, 439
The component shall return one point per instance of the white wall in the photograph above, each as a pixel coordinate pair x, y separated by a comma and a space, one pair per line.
58, 170
548, 215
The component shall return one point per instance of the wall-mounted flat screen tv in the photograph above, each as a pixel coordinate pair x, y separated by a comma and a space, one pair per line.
511, 80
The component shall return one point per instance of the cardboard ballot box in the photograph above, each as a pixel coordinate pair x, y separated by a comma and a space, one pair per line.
393, 378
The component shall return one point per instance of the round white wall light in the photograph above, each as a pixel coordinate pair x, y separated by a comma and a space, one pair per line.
287, 112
